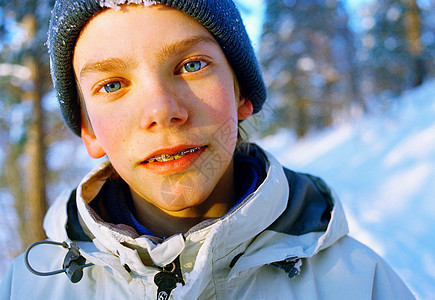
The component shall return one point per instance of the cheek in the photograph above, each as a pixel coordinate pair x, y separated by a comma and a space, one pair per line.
224, 118
110, 128
222, 100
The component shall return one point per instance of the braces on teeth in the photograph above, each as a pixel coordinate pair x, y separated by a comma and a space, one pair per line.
169, 157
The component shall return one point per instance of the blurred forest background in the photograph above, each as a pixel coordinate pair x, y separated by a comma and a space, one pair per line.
320, 69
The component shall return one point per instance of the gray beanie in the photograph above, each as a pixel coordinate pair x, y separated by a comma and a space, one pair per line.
220, 17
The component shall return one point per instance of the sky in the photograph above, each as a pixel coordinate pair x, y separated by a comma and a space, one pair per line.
254, 21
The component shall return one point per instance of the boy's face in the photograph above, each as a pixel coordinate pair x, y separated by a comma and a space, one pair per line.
156, 83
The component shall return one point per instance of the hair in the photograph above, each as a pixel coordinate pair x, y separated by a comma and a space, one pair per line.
84, 116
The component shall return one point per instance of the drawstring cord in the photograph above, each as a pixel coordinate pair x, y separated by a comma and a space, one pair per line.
73, 263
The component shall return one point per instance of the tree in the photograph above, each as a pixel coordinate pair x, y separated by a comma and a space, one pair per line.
308, 57
25, 81
394, 59
426, 28
39, 157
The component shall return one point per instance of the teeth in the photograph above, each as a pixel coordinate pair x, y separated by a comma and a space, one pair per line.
168, 157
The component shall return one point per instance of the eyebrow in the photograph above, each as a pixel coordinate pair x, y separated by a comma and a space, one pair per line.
179, 47
107, 65
167, 51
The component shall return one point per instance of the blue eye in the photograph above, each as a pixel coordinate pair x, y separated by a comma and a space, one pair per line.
192, 66
112, 87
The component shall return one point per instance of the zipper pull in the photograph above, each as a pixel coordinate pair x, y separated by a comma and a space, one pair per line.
167, 279
73, 263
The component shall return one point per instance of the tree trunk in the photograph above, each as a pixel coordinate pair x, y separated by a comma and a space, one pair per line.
36, 169
354, 72
415, 46
15, 185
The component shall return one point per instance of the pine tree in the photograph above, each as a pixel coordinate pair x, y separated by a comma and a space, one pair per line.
39, 157
395, 53
22, 37
308, 57
427, 38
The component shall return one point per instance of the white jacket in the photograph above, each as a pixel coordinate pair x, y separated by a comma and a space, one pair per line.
264, 249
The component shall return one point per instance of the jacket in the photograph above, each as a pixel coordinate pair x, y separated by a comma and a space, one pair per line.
287, 240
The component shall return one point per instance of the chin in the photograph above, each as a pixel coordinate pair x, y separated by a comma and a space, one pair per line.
179, 202
178, 193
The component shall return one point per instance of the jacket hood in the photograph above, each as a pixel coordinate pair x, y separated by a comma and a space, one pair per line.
301, 219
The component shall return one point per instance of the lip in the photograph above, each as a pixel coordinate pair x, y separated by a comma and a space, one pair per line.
176, 165
171, 151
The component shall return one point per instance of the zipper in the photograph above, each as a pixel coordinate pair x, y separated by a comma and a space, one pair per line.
167, 279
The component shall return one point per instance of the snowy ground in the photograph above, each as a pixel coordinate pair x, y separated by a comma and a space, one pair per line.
383, 169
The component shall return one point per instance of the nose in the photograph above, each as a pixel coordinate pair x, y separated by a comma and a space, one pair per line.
163, 108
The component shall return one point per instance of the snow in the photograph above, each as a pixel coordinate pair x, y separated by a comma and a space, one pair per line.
115, 3
382, 166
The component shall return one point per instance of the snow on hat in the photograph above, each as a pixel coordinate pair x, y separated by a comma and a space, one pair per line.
220, 17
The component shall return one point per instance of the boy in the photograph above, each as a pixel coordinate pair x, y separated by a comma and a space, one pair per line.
179, 209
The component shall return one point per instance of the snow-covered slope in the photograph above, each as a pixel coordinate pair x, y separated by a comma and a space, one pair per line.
383, 169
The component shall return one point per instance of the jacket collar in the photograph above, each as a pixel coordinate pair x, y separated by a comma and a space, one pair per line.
236, 227
260, 235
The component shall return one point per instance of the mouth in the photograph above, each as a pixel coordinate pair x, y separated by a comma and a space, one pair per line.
169, 157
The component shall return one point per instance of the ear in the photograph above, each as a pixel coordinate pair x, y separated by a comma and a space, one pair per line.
91, 143
244, 109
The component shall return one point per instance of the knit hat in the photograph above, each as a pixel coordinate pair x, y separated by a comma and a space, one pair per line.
220, 17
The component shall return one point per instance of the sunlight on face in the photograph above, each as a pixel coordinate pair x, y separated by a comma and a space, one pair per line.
161, 98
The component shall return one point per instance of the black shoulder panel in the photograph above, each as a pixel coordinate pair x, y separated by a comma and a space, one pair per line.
309, 205
73, 228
